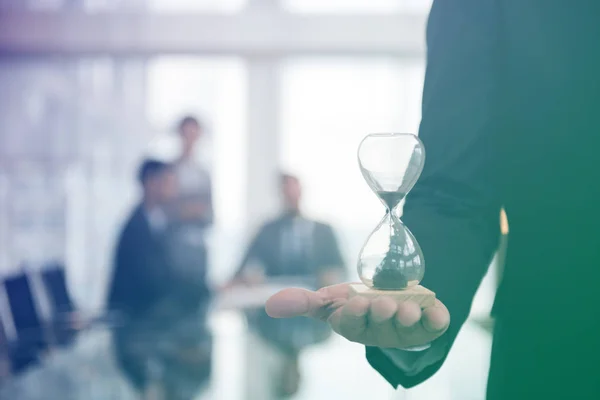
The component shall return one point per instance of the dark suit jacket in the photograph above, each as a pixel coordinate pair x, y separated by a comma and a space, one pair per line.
320, 253
266, 248
511, 117
161, 307
141, 269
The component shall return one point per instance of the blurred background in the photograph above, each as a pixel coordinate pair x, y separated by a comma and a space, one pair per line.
89, 88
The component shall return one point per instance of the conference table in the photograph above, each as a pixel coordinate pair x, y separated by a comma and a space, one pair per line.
335, 369
87, 371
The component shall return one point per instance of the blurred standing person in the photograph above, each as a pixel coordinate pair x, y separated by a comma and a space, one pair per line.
296, 249
191, 215
192, 210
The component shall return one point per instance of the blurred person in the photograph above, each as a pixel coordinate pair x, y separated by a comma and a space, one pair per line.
162, 346
292, 248
510, 119
141, 264
192, 209
191, 214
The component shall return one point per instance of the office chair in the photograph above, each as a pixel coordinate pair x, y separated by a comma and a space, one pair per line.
64, 318
32, 336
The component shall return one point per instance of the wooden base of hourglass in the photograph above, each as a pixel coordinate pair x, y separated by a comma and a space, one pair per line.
420, 295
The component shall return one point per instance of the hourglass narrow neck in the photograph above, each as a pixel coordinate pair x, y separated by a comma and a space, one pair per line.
390, 199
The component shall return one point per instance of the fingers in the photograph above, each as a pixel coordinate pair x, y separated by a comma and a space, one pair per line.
350, 320
436, 319
405, 324
382, 330
409, 313
339, 291
378, 322
293, 303
381, 322
383, 309
296, 302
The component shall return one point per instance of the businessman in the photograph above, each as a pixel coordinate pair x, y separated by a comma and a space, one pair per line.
297, 248
164, 346
510, 118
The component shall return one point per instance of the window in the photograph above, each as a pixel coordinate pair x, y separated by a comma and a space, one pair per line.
213, 88
328, 106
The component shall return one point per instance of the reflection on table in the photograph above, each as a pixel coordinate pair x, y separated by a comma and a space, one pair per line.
335, 369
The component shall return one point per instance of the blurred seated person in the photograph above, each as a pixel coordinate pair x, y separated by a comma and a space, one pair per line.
295, 249
163, 346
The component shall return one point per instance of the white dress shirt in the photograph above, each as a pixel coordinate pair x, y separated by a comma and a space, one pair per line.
414, 360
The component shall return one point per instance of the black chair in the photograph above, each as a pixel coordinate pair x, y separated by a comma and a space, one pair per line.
63, 310
67, 321
32, 336
55, 281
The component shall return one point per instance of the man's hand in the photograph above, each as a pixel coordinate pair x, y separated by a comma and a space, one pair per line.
379, 322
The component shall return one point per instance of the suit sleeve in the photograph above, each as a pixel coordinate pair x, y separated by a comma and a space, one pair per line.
453, 209
140, 277
124, 282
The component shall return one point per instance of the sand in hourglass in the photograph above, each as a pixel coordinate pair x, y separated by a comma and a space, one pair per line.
391, 199
388, 280
391, 161
388, 276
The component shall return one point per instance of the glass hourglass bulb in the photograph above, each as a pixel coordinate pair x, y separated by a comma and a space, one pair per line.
391, 258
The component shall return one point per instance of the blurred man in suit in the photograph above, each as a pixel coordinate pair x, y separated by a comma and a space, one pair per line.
291, 248
163, 346
141, 264
510, 118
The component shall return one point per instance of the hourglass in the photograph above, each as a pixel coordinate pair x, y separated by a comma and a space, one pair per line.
391, 262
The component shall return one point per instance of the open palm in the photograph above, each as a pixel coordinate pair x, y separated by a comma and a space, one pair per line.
380, 322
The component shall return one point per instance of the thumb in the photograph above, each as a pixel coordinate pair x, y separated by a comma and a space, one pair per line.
294, 302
